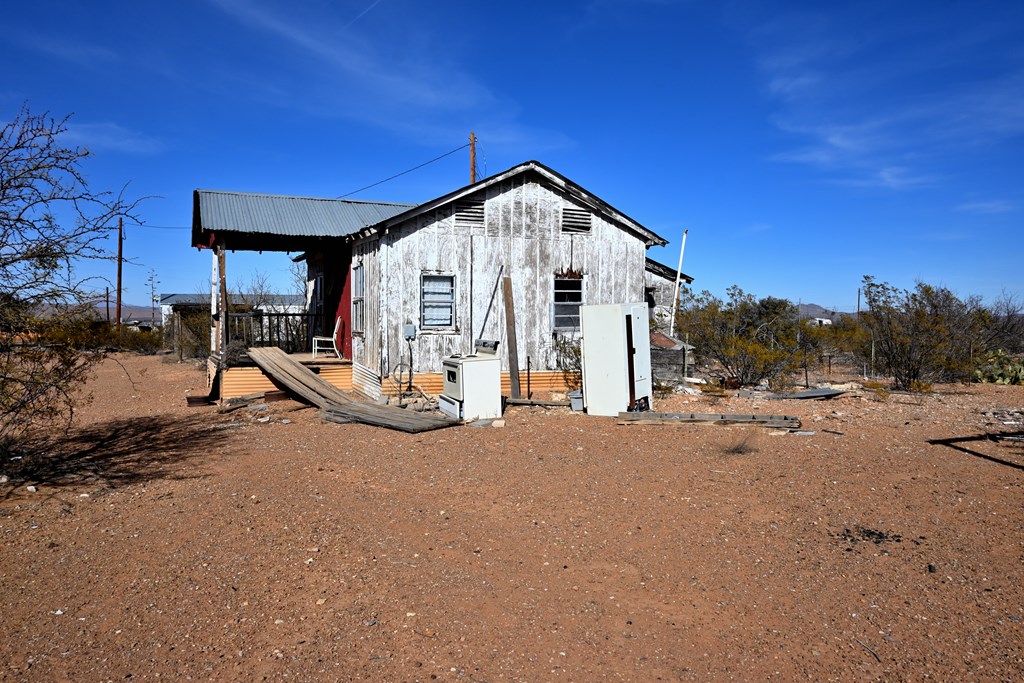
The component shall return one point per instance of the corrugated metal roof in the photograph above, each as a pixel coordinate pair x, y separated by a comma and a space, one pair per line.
271, 214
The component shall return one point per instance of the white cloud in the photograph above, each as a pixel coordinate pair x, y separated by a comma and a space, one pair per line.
884, 111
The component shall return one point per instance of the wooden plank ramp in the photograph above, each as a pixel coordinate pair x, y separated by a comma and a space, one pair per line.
335, 405
649, 418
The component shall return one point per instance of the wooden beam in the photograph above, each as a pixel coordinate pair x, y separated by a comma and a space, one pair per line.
650, 418
510, 331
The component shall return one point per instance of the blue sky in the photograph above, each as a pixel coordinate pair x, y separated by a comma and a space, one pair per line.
803, 144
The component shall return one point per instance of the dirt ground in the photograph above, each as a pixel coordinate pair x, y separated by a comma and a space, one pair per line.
175, 543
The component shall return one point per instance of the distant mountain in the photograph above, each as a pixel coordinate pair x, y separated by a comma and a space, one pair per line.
816, 311
128, 312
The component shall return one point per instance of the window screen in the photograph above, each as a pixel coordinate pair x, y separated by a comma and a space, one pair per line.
437, 297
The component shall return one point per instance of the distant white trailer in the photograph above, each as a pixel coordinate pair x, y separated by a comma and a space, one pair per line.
821, 322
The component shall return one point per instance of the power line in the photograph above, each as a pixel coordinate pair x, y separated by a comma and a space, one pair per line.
160, 227
414, 168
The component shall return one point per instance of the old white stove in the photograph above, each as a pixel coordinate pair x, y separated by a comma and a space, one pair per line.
472, 384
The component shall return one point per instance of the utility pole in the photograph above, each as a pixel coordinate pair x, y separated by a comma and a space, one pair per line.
120, 251
153, 298
472, 157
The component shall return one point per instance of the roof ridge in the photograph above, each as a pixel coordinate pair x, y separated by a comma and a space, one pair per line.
293, 196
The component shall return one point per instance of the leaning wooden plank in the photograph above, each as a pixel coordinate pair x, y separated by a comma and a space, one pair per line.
296, 377
336, 406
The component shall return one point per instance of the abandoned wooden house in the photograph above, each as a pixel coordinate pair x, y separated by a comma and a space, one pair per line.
403, 286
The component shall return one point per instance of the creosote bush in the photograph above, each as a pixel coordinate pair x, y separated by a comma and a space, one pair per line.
752, 339
929, 334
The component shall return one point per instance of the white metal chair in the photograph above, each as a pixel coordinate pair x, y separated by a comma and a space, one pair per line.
328, 344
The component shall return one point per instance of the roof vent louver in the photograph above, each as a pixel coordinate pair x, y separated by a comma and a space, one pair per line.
575, 219
469, 213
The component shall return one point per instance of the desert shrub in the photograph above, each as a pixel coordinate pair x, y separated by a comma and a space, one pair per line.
920, 387
189, 334
569, 360
879, 389
927, 334
752, 339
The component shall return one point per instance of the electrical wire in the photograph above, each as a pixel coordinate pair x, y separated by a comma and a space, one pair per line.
414, 168
379, 182
156, 227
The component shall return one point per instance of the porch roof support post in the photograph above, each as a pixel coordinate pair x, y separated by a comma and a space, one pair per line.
214, 307
225, 308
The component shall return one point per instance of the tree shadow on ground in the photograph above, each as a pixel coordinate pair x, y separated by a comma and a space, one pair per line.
122, 452
1010, 440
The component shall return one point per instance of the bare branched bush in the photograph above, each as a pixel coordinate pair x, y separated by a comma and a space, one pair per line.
50, 221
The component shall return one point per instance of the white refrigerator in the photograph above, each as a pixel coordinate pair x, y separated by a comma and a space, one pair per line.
616, 351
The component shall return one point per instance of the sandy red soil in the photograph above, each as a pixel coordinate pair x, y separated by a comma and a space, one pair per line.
176, 543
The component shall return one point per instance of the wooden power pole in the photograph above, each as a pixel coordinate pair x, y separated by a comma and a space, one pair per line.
472, 157
120, 251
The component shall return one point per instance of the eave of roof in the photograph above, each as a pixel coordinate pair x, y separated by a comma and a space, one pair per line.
661, 270
254, 216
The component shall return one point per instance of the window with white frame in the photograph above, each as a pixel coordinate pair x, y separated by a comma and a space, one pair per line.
358, 299
568, 299
437, 302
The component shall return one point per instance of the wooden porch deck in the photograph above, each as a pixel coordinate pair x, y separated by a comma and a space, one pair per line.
250, 379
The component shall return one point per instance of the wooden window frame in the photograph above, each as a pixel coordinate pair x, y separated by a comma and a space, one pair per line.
358, 300
449, 301
555, 314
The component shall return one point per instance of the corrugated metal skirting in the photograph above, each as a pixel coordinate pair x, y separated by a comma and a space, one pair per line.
241, 381
433, 382
366, 382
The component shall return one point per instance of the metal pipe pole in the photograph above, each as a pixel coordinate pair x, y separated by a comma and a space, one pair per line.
120, 251
679, 276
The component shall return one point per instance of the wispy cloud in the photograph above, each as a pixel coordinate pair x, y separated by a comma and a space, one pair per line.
990, 207
111, 137
67, 48
892, 108
413, 87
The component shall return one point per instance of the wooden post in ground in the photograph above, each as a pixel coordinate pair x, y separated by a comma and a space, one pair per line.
510, 332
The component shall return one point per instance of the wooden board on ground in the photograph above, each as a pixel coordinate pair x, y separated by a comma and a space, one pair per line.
385, 416
650, 418
336, 406
809, 394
